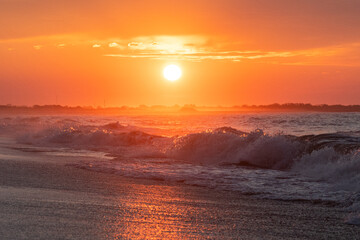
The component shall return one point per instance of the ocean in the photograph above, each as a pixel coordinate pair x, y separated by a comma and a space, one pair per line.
313, 157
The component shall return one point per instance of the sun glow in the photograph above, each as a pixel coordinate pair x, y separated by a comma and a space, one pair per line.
172, 72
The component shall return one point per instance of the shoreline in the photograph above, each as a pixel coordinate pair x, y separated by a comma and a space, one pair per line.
46, 199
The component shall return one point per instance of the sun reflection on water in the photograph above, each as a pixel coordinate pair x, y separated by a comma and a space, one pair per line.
153, 212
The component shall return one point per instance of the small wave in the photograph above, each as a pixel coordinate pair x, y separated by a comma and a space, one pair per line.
340, 142
83, 136
114, 126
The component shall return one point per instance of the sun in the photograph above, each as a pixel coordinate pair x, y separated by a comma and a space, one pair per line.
172, 72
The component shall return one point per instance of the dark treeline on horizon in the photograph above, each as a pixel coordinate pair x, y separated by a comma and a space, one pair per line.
287, 107
306, 107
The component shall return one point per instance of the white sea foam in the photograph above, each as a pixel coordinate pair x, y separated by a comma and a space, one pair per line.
253, 149
320, 167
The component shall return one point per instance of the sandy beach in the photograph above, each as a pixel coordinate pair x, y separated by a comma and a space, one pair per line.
48, 199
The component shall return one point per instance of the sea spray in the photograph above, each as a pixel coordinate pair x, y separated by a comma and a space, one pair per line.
314, 167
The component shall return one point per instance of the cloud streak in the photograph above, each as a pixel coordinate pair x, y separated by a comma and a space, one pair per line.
188, 48
204, 55
199, 49
192, 48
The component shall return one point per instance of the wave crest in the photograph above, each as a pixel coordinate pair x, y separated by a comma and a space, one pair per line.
224, 146
82, 136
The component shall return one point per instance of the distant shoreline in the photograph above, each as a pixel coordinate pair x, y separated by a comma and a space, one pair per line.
175, 109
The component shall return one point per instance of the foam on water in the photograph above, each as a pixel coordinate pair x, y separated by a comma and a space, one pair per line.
225, 145
322, 167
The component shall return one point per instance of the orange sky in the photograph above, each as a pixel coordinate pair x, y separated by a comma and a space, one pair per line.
232, 52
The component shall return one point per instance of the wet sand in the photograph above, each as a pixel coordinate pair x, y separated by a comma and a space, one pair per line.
49, 200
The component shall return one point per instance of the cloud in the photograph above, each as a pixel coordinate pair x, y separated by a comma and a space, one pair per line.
203, 55
194, 48
113, 44
116, 45
134, 44
197, 48
188, 48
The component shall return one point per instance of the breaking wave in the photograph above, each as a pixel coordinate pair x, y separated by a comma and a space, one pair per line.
222, 146
88, 136
311, 167
257, 149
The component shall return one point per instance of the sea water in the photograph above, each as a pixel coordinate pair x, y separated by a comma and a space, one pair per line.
286, 156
